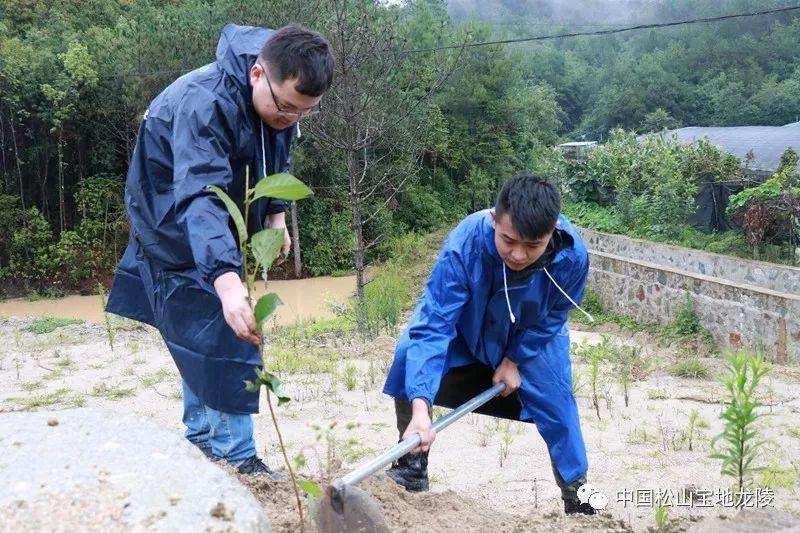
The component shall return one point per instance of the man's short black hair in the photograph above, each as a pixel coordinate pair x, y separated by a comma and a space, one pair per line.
297, 52
532, 202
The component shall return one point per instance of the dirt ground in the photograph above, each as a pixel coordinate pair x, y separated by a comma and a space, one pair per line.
486, 474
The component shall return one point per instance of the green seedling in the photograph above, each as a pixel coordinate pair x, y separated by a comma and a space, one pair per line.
106, 317
505, 443
594, 378
739, 443
696, 423
264, 247
662, 516
350, 376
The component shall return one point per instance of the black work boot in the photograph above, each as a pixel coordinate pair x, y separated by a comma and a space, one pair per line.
411, 472
256, 467
576, 507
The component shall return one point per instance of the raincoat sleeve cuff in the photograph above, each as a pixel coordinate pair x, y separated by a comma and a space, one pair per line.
220, 271
422, 395
276, 206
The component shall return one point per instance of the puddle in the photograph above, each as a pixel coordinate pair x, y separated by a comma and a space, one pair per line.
303, 299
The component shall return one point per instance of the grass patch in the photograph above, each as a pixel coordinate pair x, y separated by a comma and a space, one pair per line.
113, 392
657, 394
31, 386
775, 476
48, 324
155, 378
311, 360
63, 397
689, 368
120, 323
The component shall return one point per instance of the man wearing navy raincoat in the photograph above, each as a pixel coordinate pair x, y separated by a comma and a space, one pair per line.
495, 310
181, 271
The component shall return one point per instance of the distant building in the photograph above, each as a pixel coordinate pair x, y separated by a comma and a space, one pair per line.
577, 150
766, 143
759, 148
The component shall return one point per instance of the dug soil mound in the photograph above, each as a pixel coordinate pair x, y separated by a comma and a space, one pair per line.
430, 511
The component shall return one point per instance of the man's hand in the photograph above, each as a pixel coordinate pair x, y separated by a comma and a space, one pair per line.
236, 307
507, 373
276, 221
421, 424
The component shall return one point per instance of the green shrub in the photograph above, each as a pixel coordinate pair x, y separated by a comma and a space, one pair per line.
34, 259
690, 368
686, 321
420, 209
326, 237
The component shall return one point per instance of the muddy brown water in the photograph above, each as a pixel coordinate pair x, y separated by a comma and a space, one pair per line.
303, 299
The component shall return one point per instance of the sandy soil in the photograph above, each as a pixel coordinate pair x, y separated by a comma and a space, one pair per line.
485, 474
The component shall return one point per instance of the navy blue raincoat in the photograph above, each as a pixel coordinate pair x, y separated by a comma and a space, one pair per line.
463, 318
201, 130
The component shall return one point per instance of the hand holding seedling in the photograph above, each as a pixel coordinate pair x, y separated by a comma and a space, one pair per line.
507, 373
420, 424
236, 307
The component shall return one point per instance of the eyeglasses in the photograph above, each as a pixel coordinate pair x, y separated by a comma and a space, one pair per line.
281, 111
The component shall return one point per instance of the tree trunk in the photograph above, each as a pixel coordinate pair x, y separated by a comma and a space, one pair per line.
6, 187
298, 265
61, 180
355, 202
16, 158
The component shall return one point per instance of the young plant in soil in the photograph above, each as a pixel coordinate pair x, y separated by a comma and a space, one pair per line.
594, 378
109, 329
265, 247
739, 442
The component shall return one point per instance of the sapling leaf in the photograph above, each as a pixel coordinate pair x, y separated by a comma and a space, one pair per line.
265, 306
236, 215
266, 245
311, 488
274, 384
283, 186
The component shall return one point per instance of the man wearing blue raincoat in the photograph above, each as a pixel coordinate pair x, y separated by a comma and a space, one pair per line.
181, 271
495, 310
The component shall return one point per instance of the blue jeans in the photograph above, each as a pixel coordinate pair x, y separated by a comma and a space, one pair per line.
229, 436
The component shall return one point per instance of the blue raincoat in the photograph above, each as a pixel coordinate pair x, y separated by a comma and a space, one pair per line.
201, 130
464, 318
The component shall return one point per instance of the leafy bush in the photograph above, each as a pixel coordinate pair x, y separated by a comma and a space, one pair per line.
420, 209
593, 216
326, 236
34, 260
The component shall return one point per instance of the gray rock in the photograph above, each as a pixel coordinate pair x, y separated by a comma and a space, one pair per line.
93, 470
748, 521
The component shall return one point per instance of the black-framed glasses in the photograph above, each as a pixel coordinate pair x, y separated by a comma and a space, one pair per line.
288, 114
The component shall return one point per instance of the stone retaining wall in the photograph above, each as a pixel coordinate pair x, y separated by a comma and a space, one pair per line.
742, 303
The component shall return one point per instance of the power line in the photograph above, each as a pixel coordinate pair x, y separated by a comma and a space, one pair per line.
528, 39
608, 32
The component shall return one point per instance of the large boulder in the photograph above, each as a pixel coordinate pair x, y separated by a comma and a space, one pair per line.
88, 469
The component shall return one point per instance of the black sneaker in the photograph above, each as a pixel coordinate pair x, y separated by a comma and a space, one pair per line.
576, 507
256, 467
411, 472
